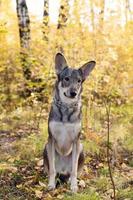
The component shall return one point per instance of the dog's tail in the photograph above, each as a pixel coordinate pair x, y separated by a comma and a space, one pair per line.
61, 179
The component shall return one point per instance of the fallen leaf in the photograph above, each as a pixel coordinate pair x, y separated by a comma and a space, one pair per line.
19, 186
38, 193
110, 191
101, 165
11, 160
48, 196
60, 196
42, 184
82, 184
40, 163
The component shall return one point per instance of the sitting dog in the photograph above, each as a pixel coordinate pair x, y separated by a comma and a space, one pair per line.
63, 153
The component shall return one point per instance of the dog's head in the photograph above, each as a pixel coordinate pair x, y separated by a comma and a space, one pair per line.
70, 80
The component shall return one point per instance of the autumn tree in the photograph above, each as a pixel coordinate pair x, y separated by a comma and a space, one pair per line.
92, 15
24, 23
63, 14
24, 35
101, 14
128, 12
45, 19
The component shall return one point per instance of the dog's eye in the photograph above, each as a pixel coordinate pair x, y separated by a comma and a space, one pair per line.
79, 81
66, 78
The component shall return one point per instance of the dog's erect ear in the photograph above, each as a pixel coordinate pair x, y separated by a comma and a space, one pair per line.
87, 68
60, 63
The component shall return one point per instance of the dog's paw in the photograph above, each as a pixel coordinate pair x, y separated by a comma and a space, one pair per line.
51, 186
74, 188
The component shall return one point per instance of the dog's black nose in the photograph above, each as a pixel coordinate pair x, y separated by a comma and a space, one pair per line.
73, 94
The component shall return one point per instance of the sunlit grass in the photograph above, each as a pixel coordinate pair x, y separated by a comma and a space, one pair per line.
88, 195
32, 146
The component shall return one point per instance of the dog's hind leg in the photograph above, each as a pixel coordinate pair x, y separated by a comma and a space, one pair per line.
80, 162
45, 160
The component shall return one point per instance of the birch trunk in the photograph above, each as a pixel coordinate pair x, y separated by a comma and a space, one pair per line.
24, 24
128, 12
63, 14
46, 20
92, 15
101, 16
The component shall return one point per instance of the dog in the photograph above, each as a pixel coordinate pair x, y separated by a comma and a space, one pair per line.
63, 153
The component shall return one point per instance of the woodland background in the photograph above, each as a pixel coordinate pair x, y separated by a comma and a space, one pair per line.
85, 30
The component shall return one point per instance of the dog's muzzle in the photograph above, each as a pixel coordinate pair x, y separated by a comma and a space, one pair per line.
71, 95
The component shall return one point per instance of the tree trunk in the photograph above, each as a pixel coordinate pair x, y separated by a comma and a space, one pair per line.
45, 20
24, 35
101, 14
63, 14
128, 12
62, 22
24, 23
76, 11
92, 15
94, 27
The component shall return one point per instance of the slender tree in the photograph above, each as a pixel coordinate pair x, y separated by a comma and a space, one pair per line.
128, 12
24, 23
101, 6
63, 14
45, 19
24, 35
101, 14
76, 11
92, 14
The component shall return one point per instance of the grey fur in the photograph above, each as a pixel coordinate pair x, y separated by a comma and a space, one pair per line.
63, 153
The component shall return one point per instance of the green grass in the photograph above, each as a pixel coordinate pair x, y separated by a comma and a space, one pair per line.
125, 194
28, 148
128, 142
31, 147
103, 171
83, 196
131, 162
91, 146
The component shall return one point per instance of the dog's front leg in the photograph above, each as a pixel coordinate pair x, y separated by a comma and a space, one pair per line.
75, 156
51, 158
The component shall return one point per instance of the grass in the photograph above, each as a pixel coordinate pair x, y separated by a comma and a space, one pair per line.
125, 194
128, 143
31, 147
103, 171
84, 196
102, 183
91, 146
20, 175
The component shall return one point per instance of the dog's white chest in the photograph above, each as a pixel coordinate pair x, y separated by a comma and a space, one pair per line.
64, 134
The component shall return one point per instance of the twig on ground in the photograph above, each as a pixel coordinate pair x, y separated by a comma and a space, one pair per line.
108, 108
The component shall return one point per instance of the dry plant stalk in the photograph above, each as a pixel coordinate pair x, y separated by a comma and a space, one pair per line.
108, 108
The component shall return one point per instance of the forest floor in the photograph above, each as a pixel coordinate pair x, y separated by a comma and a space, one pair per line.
22, 177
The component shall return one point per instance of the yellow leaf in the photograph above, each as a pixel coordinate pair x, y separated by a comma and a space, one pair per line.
42, 184
38, 193
60, 196
82, 184
19, 186
40, 163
